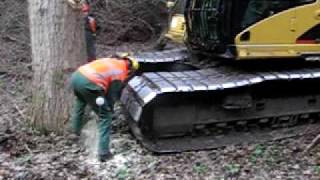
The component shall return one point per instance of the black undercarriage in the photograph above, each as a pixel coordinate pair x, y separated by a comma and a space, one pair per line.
241, 103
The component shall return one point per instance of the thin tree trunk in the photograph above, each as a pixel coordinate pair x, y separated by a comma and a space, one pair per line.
58, 47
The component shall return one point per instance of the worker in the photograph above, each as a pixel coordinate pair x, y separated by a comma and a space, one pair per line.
90, 32
99, 85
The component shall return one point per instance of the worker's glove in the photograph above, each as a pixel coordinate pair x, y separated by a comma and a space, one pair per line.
122, 55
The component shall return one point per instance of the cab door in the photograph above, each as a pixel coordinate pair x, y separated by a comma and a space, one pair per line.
275, 35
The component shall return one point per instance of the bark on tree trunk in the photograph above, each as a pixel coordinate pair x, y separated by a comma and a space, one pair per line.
58, 47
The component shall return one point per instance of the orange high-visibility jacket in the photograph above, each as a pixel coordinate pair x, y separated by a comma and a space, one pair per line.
103, 71
92, 24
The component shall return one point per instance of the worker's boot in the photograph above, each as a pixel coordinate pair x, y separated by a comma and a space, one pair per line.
105, 157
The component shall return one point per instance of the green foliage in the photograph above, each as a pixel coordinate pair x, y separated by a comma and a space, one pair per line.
253, 159
122, 173
317, 169
200, 168
24, 159
258, 152
233, 169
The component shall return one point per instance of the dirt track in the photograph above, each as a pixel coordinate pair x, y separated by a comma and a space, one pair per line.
25, 154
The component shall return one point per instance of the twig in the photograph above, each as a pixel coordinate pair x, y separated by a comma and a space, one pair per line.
314, 142
28, 149
20, 112
14, 104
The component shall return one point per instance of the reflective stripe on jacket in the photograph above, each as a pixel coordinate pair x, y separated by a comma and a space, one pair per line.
93, 24
90, 24
103, 71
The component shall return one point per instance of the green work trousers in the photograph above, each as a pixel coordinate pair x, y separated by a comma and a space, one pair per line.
87, 92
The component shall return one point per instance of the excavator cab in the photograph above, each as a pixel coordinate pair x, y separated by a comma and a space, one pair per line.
254, 29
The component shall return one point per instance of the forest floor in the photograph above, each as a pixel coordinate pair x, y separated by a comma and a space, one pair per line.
26, 154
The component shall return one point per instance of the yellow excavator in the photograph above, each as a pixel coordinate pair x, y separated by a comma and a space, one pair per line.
249, 74
175, 32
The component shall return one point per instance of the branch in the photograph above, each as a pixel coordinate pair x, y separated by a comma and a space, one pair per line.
14, 105
314, 142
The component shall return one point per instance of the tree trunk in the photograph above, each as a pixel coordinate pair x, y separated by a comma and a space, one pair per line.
58, 48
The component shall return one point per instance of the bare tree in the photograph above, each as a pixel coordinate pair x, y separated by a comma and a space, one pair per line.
58, 47
129, 20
